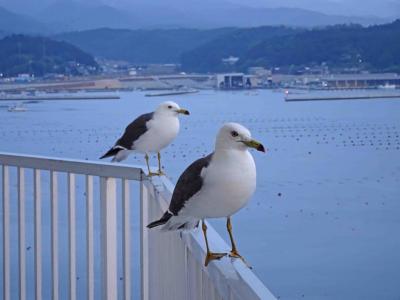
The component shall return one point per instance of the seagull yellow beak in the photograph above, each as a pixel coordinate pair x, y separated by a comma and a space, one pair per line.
183, 111
254, 144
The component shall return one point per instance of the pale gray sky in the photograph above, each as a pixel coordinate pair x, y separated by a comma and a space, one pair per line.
381, 8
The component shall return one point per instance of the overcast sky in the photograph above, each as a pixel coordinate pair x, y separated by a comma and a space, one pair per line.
382, 8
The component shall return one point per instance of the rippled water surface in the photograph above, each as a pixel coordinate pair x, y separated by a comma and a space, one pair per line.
324, 222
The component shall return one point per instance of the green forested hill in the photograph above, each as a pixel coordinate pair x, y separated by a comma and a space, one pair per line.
208, 57
40, 55
141, 46
373, 48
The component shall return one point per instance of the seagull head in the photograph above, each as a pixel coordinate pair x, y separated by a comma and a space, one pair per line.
170, 108
236, 136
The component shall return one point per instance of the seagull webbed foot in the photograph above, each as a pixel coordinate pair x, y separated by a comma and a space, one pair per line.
213, 256
151, 174
235, 254
160, 173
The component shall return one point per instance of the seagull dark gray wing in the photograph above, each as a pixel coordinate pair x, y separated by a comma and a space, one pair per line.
134, 130
189, 183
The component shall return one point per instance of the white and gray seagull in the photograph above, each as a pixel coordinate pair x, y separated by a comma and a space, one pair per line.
215, 186
149, 133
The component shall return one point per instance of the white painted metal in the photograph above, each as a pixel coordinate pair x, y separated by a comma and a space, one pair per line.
126, 239
224, 279
166, 254
89, 237
38, 234
166, 259
6, 233
144, 242
21, 234
72, 166
71, 236
54, 234
171, 263
108, 201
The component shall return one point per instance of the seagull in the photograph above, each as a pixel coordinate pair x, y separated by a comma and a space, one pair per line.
215, 186
149, 132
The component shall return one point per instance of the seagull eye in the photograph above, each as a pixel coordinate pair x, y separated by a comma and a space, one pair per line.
234, 133
169, 106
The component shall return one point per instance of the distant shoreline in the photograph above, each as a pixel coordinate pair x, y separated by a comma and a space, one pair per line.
41, 98
332, 98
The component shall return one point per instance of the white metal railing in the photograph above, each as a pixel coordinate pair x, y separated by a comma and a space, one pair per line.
171, 264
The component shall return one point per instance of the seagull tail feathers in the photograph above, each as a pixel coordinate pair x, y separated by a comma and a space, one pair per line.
164, 219
111, 152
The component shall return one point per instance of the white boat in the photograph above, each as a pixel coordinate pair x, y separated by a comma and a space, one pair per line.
387, 86
17, 108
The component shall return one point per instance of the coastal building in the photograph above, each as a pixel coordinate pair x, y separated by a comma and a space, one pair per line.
24, 77
236, 81
259, 71
363, 80
231, 60
157, 69
263, 75
338, 81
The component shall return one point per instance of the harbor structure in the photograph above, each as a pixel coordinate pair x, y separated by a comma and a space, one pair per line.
338, 81
228, 81
363, 80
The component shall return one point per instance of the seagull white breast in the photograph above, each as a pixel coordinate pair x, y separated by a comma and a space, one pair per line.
162, 130
229, 182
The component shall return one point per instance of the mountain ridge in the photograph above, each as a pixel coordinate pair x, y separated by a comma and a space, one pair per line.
11, 22
339, 46
70, 16
142, 45
41, 55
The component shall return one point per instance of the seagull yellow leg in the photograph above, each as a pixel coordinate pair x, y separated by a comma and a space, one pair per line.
160, 172
234, 252
148, 166
210, 255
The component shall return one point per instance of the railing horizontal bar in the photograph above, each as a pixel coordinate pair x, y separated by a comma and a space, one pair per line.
89, 237
72, 166
6, 233
54, 234
21, 234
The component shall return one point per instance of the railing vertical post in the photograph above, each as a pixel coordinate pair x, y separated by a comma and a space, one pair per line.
126, 239
89, 237
54, 233
144, 242
21, 234
71, 236
38, 234
6, 233
108, 200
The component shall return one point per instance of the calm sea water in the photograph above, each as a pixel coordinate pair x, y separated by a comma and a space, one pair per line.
324, 222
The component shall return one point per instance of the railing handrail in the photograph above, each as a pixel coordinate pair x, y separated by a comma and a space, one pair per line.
228, 276
102, 169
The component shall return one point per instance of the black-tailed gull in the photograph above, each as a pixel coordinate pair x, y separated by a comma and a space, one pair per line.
215, 186
149, 133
